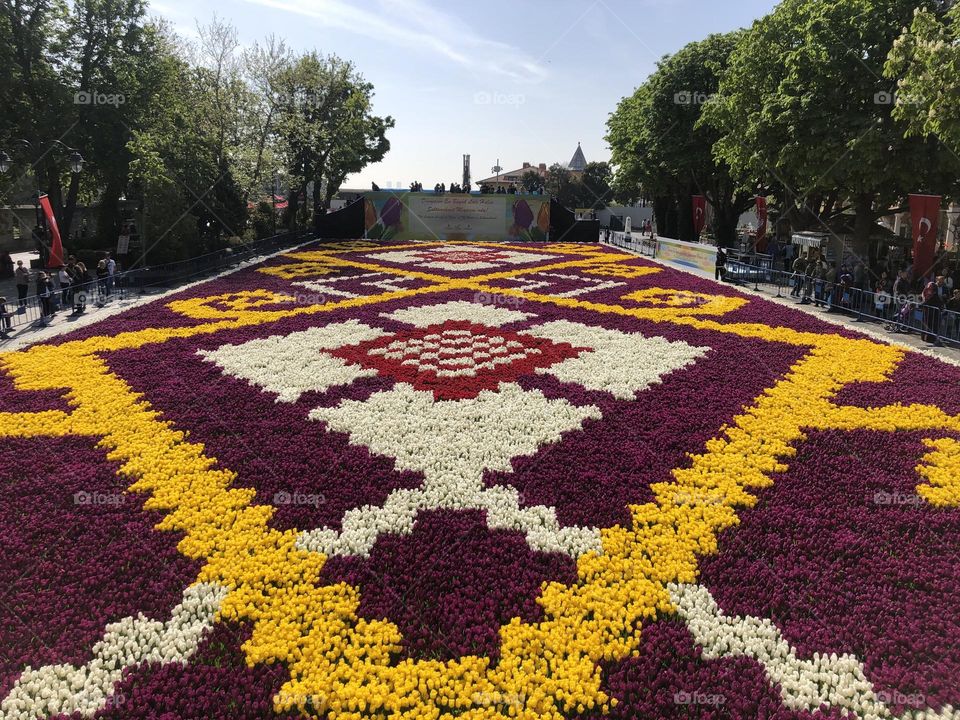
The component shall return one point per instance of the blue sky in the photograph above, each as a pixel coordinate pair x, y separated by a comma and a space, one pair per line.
515, 80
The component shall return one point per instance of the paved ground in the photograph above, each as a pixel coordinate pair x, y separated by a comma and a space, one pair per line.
911, 341
64, 322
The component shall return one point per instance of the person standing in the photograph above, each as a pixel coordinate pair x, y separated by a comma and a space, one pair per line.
721, 264
5, 325
22, 275
932, 305
799, 274
101, 280
111, 271
45, 293
65, 283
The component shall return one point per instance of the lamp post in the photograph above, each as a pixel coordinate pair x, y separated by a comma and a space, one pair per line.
75, 161
496, 168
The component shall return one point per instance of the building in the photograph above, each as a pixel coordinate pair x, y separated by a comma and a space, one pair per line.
578, 163
511, 178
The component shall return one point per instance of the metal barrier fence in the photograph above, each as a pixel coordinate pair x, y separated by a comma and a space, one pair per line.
904, 313
39, 309
637, 242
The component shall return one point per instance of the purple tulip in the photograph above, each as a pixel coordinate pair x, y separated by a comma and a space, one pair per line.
390, 214
522, 214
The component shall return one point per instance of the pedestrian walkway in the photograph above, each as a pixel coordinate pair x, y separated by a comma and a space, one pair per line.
63, 321
874, 330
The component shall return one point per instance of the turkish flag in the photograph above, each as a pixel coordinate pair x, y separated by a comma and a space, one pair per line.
55, 259
699, 214
761, 217
925, 216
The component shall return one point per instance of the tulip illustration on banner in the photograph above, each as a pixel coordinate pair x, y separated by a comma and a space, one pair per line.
390, 221
369, 214
523, 218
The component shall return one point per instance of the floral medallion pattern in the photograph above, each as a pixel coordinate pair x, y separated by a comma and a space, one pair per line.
441, 480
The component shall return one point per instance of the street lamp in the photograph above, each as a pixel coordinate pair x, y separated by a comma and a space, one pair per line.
5, 162
76, 162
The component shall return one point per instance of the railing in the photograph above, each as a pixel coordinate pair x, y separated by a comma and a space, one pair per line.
39, 310
636, 242
904, 313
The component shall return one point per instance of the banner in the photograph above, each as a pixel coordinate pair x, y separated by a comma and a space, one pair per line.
55, 259
693, 255
761, 217
925, 216
699, 215
428, 216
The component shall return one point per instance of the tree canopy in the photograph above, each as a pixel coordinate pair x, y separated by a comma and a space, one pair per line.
828, 106
185, 138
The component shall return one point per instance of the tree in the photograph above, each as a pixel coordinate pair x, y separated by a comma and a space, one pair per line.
923, 62
661, 149
559, 184
595, 191
325, 100
531, 181
816, 122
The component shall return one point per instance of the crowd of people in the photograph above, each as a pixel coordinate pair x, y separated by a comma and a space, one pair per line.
70, 286
896, 293
485, 189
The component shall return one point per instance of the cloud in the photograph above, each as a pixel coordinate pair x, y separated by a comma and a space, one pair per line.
416, 25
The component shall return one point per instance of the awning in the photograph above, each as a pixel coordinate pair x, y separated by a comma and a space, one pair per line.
808, 240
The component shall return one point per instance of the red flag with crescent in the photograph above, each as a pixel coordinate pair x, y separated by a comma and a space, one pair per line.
699, 214
761, 217
55, 259
925, 216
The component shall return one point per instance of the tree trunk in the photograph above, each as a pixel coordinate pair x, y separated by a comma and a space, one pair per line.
685, 229
108, 216
726, 218
863, 225
665, 212
70, 206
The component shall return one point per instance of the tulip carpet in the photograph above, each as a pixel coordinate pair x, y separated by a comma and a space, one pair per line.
439, 480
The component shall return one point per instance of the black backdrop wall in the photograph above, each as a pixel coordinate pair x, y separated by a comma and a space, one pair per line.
347, 224
343, 224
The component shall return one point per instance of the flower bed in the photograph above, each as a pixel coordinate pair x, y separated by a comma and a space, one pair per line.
435, 480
